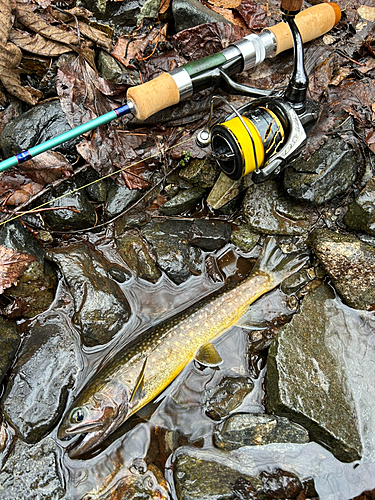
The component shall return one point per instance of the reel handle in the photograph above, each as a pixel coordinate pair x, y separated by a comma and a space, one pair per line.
312, 23
291, 6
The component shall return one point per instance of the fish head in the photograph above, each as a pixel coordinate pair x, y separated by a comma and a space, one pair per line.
95, 416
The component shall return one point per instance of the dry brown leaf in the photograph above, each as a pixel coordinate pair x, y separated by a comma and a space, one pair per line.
164, 6
12, 265
229, 16
36, 23
226, 4
10, 58
23, 194
366, 12
37, 44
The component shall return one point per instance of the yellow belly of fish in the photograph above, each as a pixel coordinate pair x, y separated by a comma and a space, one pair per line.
178, 346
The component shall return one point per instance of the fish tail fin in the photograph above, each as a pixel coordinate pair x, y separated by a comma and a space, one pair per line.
278, 265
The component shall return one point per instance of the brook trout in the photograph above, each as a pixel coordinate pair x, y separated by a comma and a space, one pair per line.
145, 367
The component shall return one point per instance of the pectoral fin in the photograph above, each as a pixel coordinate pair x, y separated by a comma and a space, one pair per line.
139, 383
207, 355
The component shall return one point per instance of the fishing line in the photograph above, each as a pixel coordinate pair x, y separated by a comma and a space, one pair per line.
97, 180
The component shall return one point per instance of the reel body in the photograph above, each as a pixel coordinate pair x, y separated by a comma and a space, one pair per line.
263, 136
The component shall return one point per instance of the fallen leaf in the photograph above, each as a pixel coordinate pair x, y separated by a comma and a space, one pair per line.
37, 44
226, 4
10, 58
367, 13
229, 15
253, 14
23, 194
164, 6
206, 39
12, 265
35, 22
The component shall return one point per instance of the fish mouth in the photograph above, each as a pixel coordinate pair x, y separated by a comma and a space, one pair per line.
83, 428
85, 445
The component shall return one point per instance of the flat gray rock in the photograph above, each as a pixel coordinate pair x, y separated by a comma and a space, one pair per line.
319, 374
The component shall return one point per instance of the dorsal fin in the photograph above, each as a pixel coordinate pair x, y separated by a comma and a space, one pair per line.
139, 382
207, 355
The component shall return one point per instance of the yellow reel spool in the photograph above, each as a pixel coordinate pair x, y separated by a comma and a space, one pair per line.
240, 150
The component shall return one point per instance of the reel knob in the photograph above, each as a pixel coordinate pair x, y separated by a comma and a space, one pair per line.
203, 138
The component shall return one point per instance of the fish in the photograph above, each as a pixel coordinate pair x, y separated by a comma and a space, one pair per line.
145, 367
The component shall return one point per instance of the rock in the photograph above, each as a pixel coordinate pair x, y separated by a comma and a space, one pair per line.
110, 69
133, 219
137, 254
101, 309
97, 189
280, 484
197, 475
190, 13
201, 173
174, 256
9, 343
209, 235
227, 396
327, 173
34, 127
361, 213
246, 429
183, 201
298, 280
46, 369
350, 263
32, 472
244, 238
318, 374
36, 288
269, 211
79, 215
119, 199
123, 15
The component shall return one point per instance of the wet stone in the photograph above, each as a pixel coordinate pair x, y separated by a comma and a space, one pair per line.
268, 210
119, 199
78, 212
309, 377
350, 263
46, 369
34, 127
183, 201
327, 173
101, 309
35, 289
174, 255
201, 173
97, 189
122, 14
132, 219
32, 472
9, 343
198, 476
190, 13
137, 254
244, 238
361, 213
280, 484
110, 69
227, 396
245, 429
209, 235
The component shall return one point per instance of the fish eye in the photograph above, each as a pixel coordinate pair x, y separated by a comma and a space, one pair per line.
77, 415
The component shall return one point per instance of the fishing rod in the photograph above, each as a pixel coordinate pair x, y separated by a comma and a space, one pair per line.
181, 83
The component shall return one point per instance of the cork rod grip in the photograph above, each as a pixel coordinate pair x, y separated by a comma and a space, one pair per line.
153, 96
312, 23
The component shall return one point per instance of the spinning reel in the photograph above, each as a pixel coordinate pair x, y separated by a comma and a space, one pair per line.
265, 135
